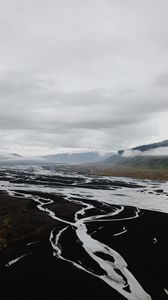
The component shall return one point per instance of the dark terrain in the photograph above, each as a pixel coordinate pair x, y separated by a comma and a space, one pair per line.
25, 230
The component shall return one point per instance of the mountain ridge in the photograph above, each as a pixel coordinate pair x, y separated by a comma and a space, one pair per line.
152, 155
147, 147
149, 156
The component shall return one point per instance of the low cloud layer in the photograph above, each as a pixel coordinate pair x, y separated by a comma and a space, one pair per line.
82, 74
160, 151
157, 152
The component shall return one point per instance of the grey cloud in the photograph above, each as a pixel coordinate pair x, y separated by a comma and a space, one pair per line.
39, 105
162, 79
157, 152
81, 73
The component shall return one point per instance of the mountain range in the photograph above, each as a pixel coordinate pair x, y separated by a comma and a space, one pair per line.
75, 157
151, 155
58, 158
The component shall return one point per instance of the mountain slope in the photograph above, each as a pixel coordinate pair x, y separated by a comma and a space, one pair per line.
151, 156
147, 147
73, 158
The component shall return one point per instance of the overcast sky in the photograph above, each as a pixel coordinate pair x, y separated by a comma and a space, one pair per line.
82, 74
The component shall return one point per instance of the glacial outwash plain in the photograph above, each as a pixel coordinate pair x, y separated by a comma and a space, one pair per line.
77, 232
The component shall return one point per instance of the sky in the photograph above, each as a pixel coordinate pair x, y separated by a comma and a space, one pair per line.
80, 74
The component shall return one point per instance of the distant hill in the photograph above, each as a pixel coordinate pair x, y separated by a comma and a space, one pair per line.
9, 156
59, 158
74, 157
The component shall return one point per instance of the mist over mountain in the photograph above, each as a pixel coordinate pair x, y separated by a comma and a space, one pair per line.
144, 148
73, 158
17, 159
153, 155
58, 158
9, 156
